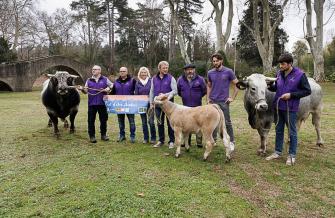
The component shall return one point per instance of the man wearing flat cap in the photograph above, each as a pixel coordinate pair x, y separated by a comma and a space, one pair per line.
191, 88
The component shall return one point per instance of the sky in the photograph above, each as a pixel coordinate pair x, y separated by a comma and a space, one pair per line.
292, 24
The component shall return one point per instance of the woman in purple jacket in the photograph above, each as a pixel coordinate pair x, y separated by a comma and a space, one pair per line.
142, 87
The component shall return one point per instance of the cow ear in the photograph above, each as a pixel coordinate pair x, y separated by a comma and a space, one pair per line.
242, 85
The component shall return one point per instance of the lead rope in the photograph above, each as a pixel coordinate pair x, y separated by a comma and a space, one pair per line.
92, 94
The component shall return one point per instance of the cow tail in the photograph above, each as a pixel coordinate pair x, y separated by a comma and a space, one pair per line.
222, 126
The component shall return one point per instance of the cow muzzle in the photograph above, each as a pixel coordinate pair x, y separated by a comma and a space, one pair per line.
261, 105
62, 90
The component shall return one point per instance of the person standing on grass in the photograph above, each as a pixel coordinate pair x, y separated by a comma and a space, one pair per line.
219, 80
142, 87
191, 88
291, 85
96, 103
163, 83
125, 85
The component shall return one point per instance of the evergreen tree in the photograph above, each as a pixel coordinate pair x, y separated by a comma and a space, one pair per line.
6, 54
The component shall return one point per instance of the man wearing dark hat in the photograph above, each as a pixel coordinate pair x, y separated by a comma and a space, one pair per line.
191, 88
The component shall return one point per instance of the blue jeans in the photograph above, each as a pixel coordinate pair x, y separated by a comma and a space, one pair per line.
132, 127
160, 123
144, 118
282, 120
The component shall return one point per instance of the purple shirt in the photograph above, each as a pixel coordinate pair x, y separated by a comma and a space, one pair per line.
220, 80
141, 89
101, 83
288, 85
124, 87
191, 92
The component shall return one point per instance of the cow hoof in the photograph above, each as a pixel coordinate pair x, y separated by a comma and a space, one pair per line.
261, 152
177, 155
319, 144
204, 159
72, 131
66, 125
227, 159
57, 134
49, 124
187, 149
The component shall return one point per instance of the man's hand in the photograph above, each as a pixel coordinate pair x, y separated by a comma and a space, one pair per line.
286, 96
229, 100
107, 90
209, 101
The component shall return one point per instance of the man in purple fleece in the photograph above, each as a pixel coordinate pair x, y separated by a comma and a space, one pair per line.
191, 88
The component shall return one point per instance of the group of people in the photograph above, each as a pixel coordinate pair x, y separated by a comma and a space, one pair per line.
191, 87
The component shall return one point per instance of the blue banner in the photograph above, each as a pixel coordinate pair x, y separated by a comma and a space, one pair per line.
126, 104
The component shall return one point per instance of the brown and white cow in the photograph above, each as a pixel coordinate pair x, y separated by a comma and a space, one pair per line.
199, 120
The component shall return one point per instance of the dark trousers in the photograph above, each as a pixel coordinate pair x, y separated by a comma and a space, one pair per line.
103, 117
132, 127
145, 119
198, 139
291, 121
160, 123
225, 108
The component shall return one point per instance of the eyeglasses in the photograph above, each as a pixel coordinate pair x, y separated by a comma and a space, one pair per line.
95, 69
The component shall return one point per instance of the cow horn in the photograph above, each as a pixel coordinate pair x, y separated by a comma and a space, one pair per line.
49, 75
74, 76
270, 79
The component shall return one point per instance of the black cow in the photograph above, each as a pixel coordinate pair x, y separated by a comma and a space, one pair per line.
60, 99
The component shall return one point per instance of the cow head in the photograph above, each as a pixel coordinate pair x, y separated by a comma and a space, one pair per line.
159, 100
256, 86
61, 81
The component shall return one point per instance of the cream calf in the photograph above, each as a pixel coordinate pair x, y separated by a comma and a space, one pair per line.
199, 120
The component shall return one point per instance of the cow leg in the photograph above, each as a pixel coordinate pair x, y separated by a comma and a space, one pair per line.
54, 120
179, 138
50, 123
209, 140
226, 142
262, 149
187, 145
72, 117
317, 124
66, 124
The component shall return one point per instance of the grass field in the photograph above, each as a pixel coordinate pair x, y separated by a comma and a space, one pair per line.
43, 176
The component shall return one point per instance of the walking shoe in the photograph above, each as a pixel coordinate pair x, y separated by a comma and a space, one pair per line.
93, 140
132, 140
153, 142
158, 144
145, 141
290, 161
273, 156
171, 145
104, 138
120, 139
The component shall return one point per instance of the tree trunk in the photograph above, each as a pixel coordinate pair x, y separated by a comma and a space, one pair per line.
317, 43
172, 37
221, 39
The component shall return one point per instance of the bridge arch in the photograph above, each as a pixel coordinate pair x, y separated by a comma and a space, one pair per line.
20, 76
5, 86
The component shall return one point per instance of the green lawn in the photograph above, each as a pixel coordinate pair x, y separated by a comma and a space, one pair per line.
43, 176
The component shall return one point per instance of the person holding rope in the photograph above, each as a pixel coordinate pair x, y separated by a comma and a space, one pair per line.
291, 85
96, 87
163, 83
142, 87
125, 85
191, 88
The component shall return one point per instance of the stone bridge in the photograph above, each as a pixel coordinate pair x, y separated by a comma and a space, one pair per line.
20, 76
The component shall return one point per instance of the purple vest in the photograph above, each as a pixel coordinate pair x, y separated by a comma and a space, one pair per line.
124, 88
101, 84
141, 89
162, 85
191, 92
288, 85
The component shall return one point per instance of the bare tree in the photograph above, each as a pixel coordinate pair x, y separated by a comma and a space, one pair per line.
264, 36
218, 9
315, 38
